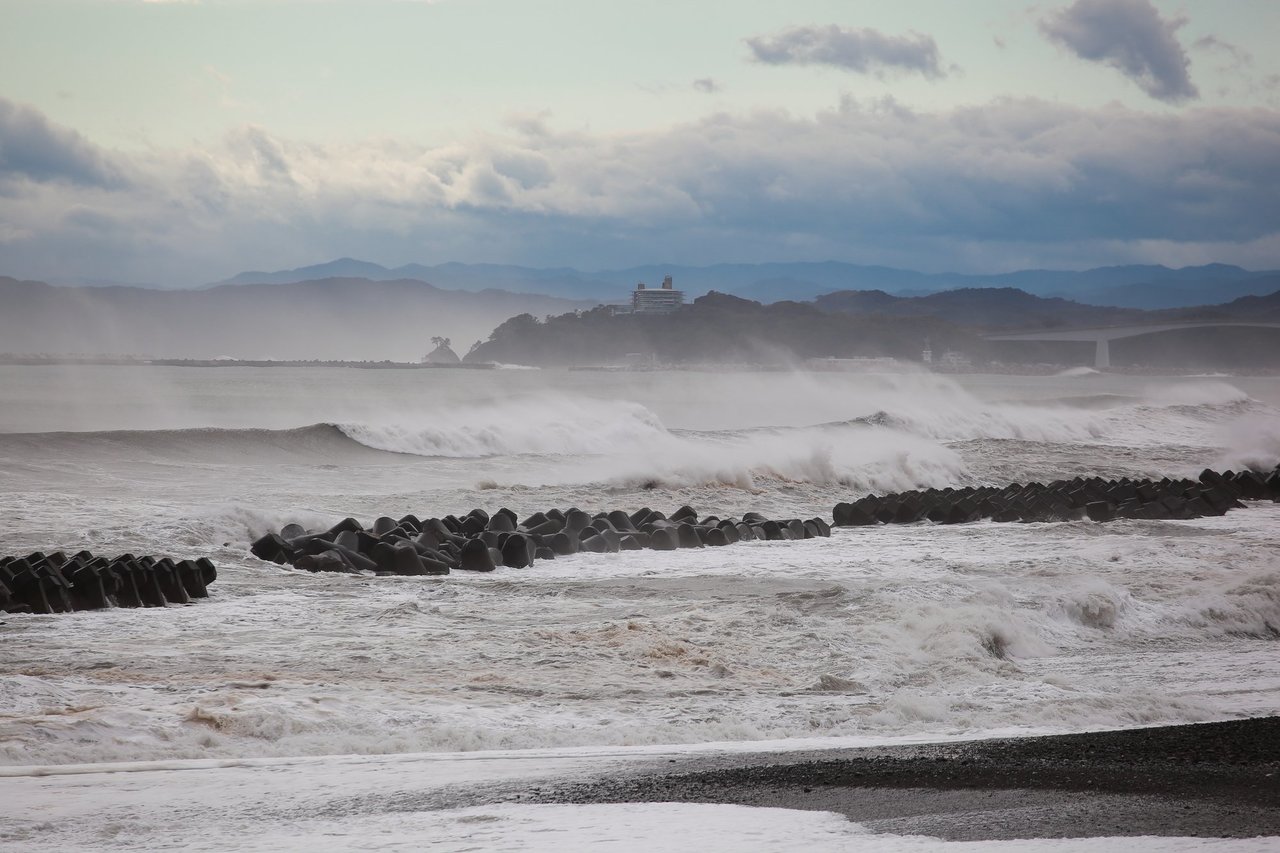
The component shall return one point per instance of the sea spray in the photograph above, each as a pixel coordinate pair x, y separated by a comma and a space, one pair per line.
554, 426
1033, 627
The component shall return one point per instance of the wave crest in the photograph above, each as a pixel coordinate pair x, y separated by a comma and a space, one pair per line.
544, 427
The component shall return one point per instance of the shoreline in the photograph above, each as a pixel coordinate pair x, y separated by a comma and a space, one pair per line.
1048, 370
236, 362
1202, 780
1211, 780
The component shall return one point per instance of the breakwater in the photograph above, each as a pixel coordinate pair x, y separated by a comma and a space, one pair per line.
55, 583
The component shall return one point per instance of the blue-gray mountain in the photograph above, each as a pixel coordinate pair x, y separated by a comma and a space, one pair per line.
1009, 308
1134, 286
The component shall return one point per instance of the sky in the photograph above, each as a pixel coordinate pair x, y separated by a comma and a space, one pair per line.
177, 143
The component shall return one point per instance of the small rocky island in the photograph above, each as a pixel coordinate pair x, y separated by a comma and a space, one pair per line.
442, 354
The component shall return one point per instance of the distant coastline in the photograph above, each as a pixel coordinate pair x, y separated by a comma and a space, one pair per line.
36, 361
9, 360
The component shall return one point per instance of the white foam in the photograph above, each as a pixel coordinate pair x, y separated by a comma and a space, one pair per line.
861, 459
554, 425
1251, 442
937, 631
876, 632
1197, 393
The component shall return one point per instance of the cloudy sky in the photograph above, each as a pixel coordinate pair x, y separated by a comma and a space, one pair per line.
180, 142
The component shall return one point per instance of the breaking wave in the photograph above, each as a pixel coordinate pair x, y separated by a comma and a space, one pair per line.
914, 630
919, 436
552, 427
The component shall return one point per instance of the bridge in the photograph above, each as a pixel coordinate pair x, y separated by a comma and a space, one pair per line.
1103, 336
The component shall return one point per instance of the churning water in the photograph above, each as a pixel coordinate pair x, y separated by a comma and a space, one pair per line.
871, 635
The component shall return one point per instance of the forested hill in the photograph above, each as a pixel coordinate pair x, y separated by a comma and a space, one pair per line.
1009, 308
717, 328
986, 308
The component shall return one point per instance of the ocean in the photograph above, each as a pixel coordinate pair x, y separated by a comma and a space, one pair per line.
877, 635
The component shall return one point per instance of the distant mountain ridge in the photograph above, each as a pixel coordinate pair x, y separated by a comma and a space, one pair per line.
1133, 286
562, 283
985, 308
1002, 308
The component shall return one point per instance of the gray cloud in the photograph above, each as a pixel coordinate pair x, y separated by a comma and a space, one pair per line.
1130, 36
89, 219
36, 149
862, 50
1237, 57
707, 84
1010, 183
1236, 67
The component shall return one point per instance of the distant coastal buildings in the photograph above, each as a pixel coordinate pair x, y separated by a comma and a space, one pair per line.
662, 300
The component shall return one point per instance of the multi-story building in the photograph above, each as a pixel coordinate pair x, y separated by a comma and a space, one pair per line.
662, 300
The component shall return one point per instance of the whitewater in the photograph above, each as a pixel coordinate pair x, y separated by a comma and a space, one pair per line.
876, 635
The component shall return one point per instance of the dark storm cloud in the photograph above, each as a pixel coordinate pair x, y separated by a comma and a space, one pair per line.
864, 51
36, 149
1012, 170
1130, 36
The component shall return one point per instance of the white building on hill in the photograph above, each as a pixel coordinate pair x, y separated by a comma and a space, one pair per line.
661, 300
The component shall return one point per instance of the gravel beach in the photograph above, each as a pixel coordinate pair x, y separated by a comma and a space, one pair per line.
1204, 780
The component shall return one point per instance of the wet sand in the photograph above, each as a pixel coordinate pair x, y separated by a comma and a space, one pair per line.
1205, 780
